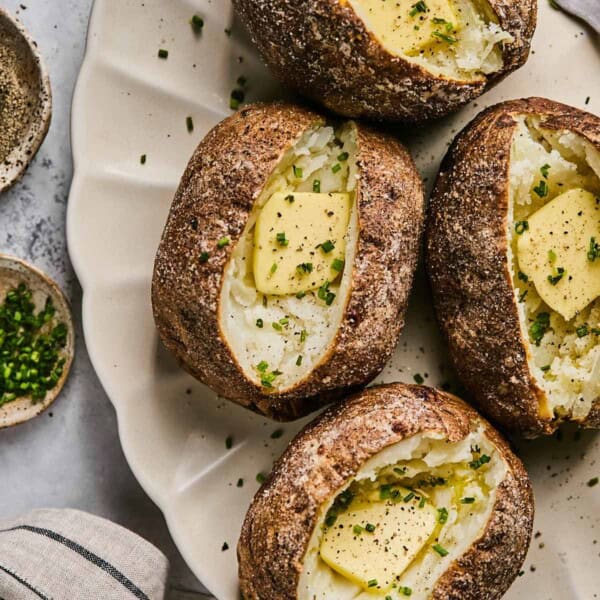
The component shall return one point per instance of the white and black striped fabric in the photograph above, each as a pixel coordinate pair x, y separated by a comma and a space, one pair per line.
71, 555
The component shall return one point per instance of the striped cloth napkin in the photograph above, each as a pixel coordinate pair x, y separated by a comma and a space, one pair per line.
71, 555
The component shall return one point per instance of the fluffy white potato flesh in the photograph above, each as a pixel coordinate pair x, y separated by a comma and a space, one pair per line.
562, 336
455, 38
450, 487
279, 338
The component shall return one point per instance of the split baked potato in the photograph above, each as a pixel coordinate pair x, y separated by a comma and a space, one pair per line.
514, 259
402, 490
403, 61
285, 266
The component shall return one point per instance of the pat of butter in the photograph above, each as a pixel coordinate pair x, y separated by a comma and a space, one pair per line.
407, 27
299, 241
553, 251
374, 559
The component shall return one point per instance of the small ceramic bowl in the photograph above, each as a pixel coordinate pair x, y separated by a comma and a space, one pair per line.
25, 100
14, 271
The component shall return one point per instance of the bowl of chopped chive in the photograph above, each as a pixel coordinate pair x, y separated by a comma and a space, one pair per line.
25, 100
36, 341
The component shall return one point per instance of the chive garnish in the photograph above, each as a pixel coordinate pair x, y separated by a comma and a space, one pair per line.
582, 331
197, 23
317, 186
418, 378
143, 162
468, 500
204, 256
224, 241
442, 515
343, 156
281, 239
189, 123
277, 434
370, 527
240, 482
260, 323
162, 53
336, 168
297, 172
521, 227
229, 442
479, 462
337, 265
327, 246
419, 7
261, 477
440, 550
372, 583
541, 189
299, 360
538, 328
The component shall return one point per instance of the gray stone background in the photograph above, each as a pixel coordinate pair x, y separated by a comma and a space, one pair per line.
70, 456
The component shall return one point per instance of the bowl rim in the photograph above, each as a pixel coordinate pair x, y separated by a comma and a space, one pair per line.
21, 156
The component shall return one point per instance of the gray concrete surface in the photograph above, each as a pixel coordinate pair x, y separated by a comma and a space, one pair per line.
71, 455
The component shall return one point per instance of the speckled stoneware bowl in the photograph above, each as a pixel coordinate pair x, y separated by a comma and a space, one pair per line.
14, 271
25, 100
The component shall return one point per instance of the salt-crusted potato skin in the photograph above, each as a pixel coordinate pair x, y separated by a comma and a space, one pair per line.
224, 178
321, 49
468, 265
330, 451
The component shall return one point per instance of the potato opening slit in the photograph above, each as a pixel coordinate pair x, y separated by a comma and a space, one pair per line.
408, 513
288, 280
557, 281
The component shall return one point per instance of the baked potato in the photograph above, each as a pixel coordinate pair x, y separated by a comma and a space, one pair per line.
514, 259
402, 490
283, 273
401, 61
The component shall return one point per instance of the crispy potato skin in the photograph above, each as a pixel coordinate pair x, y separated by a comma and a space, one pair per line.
467, 261
330, 451
321, 49
224, 178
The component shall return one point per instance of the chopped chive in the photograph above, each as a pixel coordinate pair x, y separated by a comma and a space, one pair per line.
336, 168
418, 378
449, 39
290, 198
479, 462
554, 279
442, 515
440, 550
299, 360
593, 482
317, 186
240, 482
544, 171
162, 53
204, 256
197, 23
338, 265
303, 335
273, 268
261, 477
305, 267
539, 327
281, 240
277, 434
409, 496
343, 156
262, 366
594, 250
357, 529
372, 583
327, 246
189, 123
276, 326
468, 500
300, 294
297, 172
143, 160
224, 241
521, 227
419, 7
541, 189
260, 323
582, 331
523, 277
229, 442
545, 368
370, 527
405, 591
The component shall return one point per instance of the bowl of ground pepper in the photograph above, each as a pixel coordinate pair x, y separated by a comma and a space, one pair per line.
36, 341
25, 100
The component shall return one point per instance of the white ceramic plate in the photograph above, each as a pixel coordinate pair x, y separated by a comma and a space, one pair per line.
173, 430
